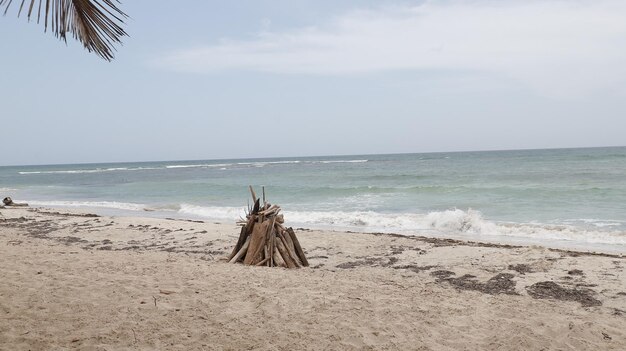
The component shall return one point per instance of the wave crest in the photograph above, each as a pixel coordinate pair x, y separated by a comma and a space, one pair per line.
92, 204
468, 224
221, 166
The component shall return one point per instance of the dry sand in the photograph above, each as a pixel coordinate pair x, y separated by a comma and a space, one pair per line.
71, 281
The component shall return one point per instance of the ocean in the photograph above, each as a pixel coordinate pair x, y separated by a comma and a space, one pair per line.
571, 198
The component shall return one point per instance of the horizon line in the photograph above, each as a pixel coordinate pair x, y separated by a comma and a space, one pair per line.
317, 156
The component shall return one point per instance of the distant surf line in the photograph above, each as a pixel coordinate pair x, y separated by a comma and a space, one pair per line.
205, 165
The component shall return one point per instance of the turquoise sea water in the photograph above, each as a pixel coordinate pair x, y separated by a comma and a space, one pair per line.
562, 197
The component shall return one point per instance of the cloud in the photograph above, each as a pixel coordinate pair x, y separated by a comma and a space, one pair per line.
558, 48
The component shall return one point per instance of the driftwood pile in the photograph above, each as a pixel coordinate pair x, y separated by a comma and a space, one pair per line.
264, 241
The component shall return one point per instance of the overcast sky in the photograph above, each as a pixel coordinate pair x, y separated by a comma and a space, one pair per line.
239, 79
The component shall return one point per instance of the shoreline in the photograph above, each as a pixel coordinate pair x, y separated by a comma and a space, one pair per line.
79, 280
487, 240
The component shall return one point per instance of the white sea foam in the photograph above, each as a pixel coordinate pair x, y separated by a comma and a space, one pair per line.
91, 204
184, 166
269, 163
472, 222
599, 223
163, 208
81, 171
204, 165
341, 161
469, 224
220, 166
265, 163
78, 171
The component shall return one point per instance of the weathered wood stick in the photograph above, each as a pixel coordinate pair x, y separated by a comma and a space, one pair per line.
241, 252
257, 241
270, 210
263, 189
280, 218
265, 260
272, 247
255, 209
288, 241
285, 253
278, 259
297, 246
292, 250
253, 193
242, 239
268, 241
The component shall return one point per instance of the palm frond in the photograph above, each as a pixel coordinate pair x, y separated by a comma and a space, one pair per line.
97, 24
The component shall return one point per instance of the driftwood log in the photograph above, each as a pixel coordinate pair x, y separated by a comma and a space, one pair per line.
7, 201
264, 240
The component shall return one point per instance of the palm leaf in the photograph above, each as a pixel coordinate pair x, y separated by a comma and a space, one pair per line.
95, 23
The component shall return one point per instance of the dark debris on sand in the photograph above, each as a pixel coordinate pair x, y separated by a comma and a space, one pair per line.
61, 214
442, 274
575, 272
415, 268
521, 268
552, 290
369, 261
501, 283
35, 229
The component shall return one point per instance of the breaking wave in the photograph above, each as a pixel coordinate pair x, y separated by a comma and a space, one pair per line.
221, 166
92, 204
96, 170
466, 224
469, 224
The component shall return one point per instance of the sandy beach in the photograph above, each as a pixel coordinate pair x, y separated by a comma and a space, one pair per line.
74, 280
313, 175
